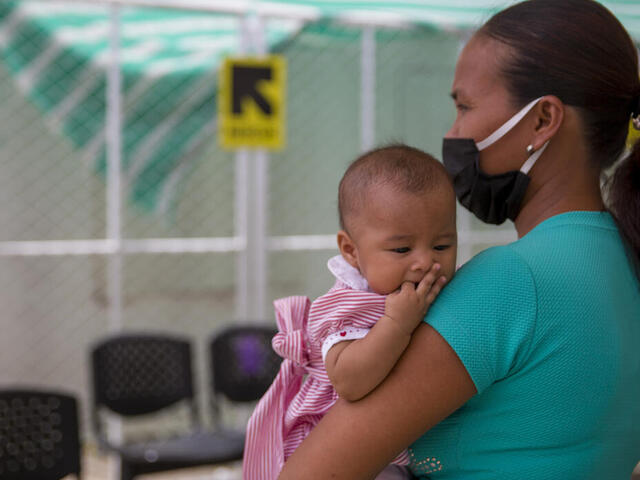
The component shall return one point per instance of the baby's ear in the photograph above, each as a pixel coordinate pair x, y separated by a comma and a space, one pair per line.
348, 248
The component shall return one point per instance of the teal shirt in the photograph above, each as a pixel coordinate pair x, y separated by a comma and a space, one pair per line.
548, 328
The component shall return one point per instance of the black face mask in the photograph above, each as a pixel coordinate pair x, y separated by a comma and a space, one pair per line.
491, 198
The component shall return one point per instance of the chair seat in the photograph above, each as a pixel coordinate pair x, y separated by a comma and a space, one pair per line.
191, 449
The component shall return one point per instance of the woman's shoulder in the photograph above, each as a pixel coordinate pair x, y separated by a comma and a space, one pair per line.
494, 286
494, 266
488, 313
497, 281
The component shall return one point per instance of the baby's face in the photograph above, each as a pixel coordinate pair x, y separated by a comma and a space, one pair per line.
399, 236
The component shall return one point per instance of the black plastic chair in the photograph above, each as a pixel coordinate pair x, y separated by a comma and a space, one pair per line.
243, 364
139, 374
38, 435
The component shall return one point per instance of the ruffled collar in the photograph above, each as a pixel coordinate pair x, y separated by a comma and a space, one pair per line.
347, 274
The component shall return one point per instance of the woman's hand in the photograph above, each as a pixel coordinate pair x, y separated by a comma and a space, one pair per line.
408, 305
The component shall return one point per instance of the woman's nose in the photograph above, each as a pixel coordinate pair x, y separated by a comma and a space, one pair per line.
452, 132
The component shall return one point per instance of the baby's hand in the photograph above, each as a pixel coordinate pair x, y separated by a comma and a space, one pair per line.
408, 305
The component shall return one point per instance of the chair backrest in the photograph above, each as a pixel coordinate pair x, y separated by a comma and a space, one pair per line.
243, 363
38, 435
135, 374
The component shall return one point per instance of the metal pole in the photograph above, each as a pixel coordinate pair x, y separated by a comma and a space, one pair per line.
242, 205
261, 210
114, 171
260, 197
114, 201
242, 231
367, 88
251, 203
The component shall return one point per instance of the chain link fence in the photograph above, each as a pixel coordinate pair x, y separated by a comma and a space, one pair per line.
177, 183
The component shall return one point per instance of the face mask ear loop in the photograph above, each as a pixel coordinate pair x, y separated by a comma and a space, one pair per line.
528, 165
508, 125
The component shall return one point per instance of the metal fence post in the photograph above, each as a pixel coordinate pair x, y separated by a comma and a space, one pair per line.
251, 201
241, 207
367, 88
114, 172
114, 201
261, 196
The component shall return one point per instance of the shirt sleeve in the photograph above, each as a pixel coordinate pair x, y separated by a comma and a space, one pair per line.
343, 308
344, 335
487, 314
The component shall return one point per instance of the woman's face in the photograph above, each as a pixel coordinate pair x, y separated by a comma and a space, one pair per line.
483, 104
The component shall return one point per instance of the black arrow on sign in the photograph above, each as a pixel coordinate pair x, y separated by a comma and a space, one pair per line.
245, 80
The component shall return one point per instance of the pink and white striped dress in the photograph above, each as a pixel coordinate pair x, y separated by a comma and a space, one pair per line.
302, 393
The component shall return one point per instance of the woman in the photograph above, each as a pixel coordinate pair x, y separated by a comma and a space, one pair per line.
527, 366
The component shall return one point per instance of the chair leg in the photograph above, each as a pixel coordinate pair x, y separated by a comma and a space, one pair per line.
126, 472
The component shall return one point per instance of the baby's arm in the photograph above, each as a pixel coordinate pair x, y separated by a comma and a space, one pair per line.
356, 367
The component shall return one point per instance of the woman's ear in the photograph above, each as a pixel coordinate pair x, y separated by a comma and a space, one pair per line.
549, 116
348, 248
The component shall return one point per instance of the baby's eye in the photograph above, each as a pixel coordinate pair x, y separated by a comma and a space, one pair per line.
401, 250
461, 107
441, 247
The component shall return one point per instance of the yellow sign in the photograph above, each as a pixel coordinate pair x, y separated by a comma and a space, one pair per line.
633, 136
251, 102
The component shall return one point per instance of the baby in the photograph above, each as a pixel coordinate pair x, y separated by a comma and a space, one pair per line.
398, 248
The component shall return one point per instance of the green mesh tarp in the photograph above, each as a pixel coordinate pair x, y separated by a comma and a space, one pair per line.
441, 14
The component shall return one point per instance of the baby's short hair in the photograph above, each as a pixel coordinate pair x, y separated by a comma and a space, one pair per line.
400, 166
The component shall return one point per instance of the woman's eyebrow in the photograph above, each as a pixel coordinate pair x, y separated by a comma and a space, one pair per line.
458, 94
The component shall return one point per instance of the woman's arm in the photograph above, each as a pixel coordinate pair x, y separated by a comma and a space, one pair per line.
357, 440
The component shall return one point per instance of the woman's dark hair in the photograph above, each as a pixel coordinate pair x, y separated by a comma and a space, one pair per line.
578, 51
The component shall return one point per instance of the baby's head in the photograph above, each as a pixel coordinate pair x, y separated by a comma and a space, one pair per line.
397, 216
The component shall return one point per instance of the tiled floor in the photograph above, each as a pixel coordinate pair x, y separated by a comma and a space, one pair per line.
97, 467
